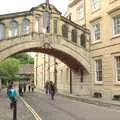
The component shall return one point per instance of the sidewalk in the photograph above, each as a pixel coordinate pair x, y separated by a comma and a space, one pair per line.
6, 113
90, 100
96, 101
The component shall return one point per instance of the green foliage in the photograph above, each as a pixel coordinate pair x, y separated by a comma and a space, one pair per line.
24, 58
9, 69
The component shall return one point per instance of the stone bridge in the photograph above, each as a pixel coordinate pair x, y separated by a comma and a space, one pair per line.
44, 29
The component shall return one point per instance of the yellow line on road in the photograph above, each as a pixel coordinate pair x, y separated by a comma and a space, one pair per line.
36, 116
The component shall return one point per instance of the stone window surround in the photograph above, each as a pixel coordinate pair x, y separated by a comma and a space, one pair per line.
26, 27
94, 69
83, 10
92, 31
114, 55
95, 9
3, 35
113, 30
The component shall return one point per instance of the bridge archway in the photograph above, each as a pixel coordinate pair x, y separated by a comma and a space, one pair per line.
52, 45
56, 36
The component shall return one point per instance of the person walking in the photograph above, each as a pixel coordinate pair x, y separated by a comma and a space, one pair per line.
32, 86
24, 87
46, 87
52, 90
29, 87
11, 92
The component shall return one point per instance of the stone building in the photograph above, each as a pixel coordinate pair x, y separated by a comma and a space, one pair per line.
85, 41
102, 18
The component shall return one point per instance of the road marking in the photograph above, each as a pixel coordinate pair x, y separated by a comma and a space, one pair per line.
36, 116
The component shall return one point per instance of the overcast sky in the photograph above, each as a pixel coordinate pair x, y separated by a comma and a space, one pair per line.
11, 6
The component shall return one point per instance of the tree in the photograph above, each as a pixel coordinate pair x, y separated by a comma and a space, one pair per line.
9, 69
24, 58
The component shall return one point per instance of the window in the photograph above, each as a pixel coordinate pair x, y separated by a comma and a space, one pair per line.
116, 25
95, 4
117, 68
98, 70
69, 16
83, 41
55, 26
96, 31
65, 31
46, 22
14, 29
26, 27
74, 36
80, 11
2, 31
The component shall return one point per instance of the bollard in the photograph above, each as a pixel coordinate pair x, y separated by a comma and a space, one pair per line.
14, 109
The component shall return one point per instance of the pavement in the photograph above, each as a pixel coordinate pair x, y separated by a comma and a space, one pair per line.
90, 100
7, 114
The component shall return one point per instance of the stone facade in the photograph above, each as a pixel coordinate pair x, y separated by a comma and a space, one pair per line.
106, 49
43, 29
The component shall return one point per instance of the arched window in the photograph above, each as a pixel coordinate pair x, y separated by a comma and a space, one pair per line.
74, 36
83, 41
65, 31
46, 22
26, 26
2, 31
14, 29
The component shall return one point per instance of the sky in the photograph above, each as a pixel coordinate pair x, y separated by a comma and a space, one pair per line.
11, 6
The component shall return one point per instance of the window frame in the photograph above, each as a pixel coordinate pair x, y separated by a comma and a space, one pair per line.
14, 31
116, 73
81, 12
93, 4
113, 26
94, 32
95, 71
74, 35
26, 29
4, 32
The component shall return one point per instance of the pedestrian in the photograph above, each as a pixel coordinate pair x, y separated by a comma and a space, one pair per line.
46, 87
20, 89
32, 86
11, 92
29, 87
24, 87
52, 90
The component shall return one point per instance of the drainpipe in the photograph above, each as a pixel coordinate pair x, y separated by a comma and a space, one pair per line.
44, 68
85, 11
36, 67
70, 81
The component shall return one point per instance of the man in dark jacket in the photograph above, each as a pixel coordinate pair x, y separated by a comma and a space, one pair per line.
52, 90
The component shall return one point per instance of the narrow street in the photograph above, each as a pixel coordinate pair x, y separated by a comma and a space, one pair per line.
66, 109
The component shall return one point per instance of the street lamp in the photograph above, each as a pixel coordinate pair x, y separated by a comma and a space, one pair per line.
55, 71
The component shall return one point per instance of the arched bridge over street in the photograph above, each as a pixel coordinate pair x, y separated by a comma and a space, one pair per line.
44, 29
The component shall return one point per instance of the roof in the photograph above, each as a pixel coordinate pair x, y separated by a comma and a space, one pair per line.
26, 69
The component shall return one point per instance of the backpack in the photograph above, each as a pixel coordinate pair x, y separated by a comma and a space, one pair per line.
12, 92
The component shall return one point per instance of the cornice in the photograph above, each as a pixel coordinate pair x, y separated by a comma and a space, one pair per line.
73, 3
14, 15
96, 18
75, 25
113, 10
